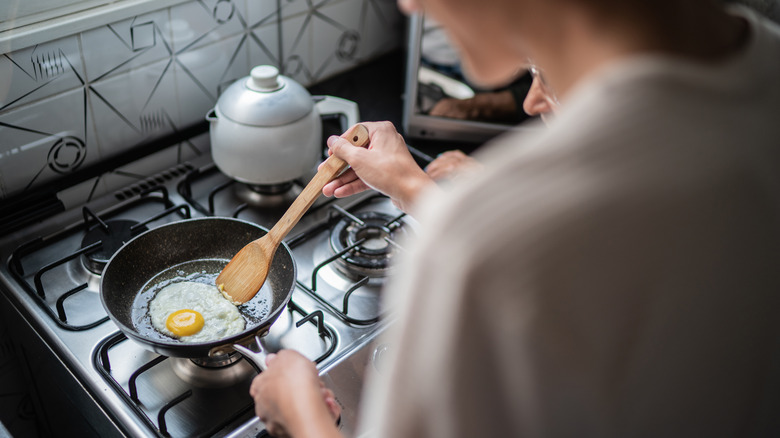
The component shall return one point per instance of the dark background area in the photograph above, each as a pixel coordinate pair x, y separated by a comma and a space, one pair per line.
378, 89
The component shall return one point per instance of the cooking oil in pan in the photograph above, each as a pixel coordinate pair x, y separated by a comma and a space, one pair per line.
203, 271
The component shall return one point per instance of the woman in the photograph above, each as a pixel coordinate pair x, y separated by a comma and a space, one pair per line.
612, 275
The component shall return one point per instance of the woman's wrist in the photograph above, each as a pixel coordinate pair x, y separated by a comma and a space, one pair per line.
313, 420
411, 188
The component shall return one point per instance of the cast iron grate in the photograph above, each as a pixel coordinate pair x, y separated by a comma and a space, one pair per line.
26, 255
130, 393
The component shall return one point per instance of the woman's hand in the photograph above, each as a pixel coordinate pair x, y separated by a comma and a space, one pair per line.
291, 399
385, 165
450, 165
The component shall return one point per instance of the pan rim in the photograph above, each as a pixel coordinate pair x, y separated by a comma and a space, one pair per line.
178, 348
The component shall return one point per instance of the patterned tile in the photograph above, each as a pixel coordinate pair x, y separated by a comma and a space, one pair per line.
126, 45
39, 72
263, 39
202, 74
290, 8
264, 45
329, 37
336, 38
134, 107
45, 140
296, 48
262, 12
73, 101
382, 27
200, 23
135, 172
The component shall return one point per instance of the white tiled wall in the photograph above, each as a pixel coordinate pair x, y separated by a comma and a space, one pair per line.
69, 103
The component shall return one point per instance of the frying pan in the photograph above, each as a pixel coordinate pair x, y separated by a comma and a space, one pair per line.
190, 250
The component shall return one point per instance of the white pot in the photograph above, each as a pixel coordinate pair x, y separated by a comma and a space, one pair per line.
266, 128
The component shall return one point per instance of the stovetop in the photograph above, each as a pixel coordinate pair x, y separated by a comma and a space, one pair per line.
333, 318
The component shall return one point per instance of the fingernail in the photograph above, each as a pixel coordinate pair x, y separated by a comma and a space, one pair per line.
331, 139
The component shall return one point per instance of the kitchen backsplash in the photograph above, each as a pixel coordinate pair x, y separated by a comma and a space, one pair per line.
79, 100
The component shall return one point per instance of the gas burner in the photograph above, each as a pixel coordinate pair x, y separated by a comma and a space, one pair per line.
223, 372
271, 189
373, 236
113, 234
271, 195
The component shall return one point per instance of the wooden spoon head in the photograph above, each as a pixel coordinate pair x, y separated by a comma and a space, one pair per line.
246, 272
243, 277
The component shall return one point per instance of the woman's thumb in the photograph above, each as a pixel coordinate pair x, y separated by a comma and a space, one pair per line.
342, 148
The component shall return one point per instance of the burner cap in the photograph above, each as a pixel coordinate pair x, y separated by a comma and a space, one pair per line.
271, 189
115, 234
371, 257
271, 195
204, 373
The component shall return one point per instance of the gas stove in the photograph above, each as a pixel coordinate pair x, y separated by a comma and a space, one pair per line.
343, 250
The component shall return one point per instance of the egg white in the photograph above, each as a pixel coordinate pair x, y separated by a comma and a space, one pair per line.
222, 318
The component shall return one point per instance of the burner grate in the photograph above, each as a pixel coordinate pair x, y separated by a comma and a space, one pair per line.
30, 271
142, 410
212, 193
365, 242
105, 238
151, 401
363, 263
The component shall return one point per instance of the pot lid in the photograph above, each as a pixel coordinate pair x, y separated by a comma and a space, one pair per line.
265, 98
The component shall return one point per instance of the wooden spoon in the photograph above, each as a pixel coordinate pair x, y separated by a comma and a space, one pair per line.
246, 272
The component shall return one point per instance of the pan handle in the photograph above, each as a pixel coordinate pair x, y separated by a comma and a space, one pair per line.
258, 358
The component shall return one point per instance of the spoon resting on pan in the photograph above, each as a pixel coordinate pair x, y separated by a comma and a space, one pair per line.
246, 272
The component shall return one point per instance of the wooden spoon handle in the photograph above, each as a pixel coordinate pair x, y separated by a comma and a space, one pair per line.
331, 168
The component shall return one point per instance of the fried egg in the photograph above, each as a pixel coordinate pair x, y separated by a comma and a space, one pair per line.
194, 312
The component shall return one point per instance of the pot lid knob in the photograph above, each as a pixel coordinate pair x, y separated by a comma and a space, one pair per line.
264, 78
265, 98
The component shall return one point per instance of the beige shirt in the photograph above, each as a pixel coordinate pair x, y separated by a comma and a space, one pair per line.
616, 275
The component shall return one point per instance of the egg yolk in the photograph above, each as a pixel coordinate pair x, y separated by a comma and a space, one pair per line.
184, 322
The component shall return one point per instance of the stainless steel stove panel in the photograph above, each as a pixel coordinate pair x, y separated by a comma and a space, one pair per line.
51, 268
108, 366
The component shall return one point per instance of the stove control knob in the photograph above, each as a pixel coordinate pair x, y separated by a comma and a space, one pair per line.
381, 356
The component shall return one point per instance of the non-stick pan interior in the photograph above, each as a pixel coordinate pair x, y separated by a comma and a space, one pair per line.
193, 249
